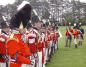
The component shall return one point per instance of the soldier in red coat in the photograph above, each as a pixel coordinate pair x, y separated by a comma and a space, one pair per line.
18, 51
42, 47
69, 32
35, 43
32, 40
81, 35
52, 40
23, 49
49, 42
21, 54
2, 54
16, 56
76, 34
57, 35
46, 44
4, 36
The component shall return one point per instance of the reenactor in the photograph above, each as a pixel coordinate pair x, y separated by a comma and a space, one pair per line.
42, 40
52, 40
69, 32
57, 35
80, 38
35, 43
17, 48
47, 33
4, 36
76, 34
49, 40
32, 42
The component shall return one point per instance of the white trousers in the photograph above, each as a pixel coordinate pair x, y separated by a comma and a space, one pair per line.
56, 45
75, 41
39, 59
46, 54
79, 38
2, 64
25, 65
44, 51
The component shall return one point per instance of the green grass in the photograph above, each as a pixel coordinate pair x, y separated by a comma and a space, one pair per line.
69, 57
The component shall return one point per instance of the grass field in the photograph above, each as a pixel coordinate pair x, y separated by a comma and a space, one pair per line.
69, 57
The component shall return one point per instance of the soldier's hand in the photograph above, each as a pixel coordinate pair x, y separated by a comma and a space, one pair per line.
32, 62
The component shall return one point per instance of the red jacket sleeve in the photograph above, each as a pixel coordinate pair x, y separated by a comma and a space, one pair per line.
23, 60
24, 49
12, 46
2, 48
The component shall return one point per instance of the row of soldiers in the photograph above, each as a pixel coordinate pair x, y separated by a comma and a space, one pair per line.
77, 31
24, 44
32, 46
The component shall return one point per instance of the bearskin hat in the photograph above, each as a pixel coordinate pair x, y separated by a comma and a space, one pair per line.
23, 15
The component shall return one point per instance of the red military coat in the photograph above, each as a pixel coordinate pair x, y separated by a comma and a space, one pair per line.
76, 33
17, 45
3, 39
2, 51
32, 39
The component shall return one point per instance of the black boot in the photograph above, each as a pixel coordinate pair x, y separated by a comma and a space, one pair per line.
79, 43
75, 45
